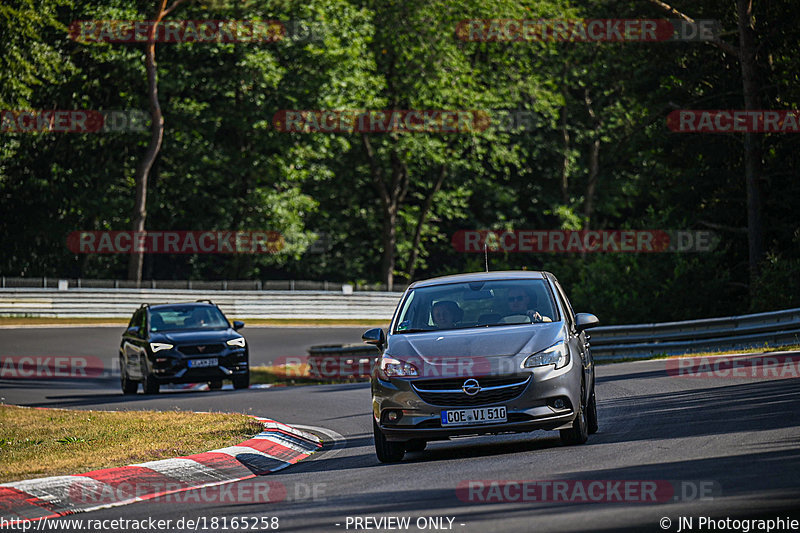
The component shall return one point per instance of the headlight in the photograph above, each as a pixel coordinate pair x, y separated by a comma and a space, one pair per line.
238, 341
392, 368
158, 346
557, 354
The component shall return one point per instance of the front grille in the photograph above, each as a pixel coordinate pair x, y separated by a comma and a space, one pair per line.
447, 392
201, 349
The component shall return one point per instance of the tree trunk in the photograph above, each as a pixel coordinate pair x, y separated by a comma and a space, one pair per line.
391, 196
747, 60
591, 184
421, 220
594, 164
154, 146
565, 141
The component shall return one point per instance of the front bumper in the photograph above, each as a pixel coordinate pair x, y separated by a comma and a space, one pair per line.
532, 409
173, 367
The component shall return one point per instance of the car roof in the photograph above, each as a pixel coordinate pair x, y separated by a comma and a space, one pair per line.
182, 304
500, 275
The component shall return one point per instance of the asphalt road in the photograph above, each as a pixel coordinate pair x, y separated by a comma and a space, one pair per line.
266, 342
735, 441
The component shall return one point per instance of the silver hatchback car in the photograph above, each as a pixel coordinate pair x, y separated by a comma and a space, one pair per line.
484, 353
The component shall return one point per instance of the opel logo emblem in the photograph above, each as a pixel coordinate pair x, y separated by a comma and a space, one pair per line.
471, 387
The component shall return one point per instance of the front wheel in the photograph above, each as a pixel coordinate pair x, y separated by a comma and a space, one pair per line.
241, 382
387, 452
128, 386
591, 414
149, 384
579, 432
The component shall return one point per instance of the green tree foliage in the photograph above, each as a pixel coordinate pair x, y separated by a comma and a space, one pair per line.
593, 150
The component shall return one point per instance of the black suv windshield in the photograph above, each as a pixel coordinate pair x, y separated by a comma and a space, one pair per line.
186, 317
476, 304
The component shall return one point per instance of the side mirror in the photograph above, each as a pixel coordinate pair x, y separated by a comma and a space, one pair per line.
133, 330
375, 336
585, 321
237, 325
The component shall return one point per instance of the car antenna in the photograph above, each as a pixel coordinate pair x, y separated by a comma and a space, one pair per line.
486, 256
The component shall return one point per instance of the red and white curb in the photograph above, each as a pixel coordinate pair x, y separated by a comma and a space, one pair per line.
277, 447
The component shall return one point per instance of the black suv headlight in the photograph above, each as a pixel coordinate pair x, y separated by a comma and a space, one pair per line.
158, 346
238, 342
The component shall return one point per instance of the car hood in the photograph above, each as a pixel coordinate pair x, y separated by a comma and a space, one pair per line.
197, 336
474, 342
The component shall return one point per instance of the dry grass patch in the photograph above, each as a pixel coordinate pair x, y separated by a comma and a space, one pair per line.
48, 442
745, 351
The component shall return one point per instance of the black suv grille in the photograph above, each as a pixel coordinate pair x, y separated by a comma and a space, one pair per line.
448, 392
201, 349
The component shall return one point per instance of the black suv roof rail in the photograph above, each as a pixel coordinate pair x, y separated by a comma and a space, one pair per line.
206, 300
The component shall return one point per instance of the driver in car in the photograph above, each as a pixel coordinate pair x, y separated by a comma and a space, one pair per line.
446, 314
520, 302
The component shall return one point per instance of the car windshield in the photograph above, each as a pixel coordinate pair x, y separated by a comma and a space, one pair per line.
186, 317
476, 304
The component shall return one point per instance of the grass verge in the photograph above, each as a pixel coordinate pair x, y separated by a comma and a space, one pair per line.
763, 349
48, 442
290, 375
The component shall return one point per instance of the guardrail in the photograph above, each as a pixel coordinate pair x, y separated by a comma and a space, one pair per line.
121, 303
7, 282
632, 341
637, 341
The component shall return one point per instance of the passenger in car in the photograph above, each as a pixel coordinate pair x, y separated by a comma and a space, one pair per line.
521, 302
446, 314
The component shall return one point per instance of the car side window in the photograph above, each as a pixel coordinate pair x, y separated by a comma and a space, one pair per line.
569, 314
143, 324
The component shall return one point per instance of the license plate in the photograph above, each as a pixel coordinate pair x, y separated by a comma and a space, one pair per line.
476, 415
203, 363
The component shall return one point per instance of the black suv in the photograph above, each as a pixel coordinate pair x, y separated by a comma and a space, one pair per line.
182, 343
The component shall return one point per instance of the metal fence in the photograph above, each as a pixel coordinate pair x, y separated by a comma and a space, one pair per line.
222, 285
641, 341
777, 328
121, 303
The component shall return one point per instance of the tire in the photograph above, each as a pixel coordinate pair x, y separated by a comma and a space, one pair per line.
579, 432
215, 384
241, 382
591, 414
416, 445
387, 452
149, 384
128, 386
